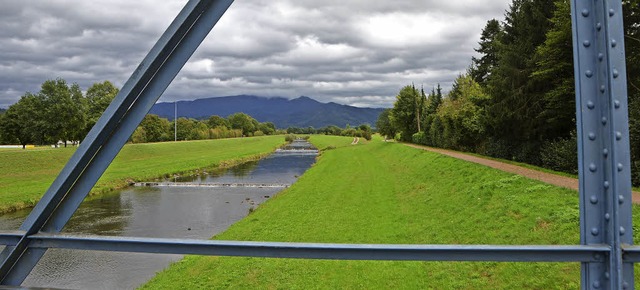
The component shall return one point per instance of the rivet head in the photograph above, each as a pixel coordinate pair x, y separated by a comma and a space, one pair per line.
589, 73
596, 284
620, 167
614, 43
600, 56
606, 184
585, 13
615, 73
611, 12
607, 216
598, 26
594, 199
603, 88
618, 136
620, 199
605, 152
604, 120
622, 231
590, 105
592, 136
594, 231
586, 43
593, 167
616, 104
607, 275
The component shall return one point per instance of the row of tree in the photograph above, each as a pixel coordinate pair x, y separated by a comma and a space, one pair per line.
61, 112
156, 129
517, 100
58, 112
362, 131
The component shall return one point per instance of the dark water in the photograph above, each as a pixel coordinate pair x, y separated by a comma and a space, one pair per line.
165, 212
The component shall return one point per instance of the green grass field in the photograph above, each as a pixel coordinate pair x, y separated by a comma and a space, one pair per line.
389, 193
26, 174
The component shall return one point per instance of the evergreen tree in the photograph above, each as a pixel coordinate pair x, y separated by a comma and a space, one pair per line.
517, 100
555, 69
482, 67
403, 115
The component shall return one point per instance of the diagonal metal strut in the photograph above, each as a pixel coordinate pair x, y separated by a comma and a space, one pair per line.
111, 132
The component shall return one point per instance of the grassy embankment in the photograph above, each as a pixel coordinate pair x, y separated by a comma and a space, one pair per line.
390, 193
26, 174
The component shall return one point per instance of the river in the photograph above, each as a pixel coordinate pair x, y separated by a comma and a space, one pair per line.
161, 212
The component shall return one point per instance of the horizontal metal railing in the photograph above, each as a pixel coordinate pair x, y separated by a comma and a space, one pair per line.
398, 252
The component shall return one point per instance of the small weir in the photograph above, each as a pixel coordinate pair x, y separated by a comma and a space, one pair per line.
187, 184
191, 207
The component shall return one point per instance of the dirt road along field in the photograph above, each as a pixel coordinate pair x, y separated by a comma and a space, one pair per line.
559, 180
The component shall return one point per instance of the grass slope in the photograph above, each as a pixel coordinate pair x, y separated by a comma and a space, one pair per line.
26, 174
389, 193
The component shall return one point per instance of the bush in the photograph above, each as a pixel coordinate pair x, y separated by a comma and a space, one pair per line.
561, 154
419, 138
290, 137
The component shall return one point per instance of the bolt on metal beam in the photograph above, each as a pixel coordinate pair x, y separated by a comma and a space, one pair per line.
603, 140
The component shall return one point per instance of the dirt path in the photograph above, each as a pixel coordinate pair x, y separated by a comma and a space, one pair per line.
563, 181
355, 140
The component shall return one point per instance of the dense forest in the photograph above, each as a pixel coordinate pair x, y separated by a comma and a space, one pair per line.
516, 101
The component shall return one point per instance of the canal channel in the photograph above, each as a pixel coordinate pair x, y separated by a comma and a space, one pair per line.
191, 207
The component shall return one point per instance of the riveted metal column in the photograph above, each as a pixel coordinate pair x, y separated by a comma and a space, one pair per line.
603, 140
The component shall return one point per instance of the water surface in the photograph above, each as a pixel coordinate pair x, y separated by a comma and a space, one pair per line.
162, 212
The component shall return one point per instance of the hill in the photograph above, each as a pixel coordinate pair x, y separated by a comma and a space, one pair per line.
284, 113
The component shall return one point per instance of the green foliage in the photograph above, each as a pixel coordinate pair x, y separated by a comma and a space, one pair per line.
555, 70
517, 99
23, 121
489, 44
384, 125
561, 154
58, 112
99, 96
404, 115
267, 128
217, 121
290, 137
157, 129
243, 122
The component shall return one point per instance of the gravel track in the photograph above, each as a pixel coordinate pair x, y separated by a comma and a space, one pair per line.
559, 180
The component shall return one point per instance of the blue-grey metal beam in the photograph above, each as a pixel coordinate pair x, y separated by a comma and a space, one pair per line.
507, 253
111, 132
603, 140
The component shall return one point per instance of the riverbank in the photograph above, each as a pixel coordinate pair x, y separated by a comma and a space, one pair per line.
26, 174
384, 192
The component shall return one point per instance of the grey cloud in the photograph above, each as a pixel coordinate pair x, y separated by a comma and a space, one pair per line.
351, 52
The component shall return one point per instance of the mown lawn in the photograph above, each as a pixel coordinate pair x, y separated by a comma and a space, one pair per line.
26, 174
389, 193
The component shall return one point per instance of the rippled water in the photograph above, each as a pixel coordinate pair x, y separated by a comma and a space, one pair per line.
165, 212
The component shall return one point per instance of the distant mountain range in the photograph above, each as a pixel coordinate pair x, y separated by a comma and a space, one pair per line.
284, 113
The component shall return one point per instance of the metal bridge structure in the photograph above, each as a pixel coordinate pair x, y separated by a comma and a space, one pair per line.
606, 252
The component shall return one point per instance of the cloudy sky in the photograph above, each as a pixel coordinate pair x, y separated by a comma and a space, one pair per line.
355, 52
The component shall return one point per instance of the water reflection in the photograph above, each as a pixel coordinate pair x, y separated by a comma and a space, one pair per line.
166, 212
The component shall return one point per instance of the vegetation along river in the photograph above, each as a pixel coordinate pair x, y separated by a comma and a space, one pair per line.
177, 211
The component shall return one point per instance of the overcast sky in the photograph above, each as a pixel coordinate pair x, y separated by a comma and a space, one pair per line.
355, 52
